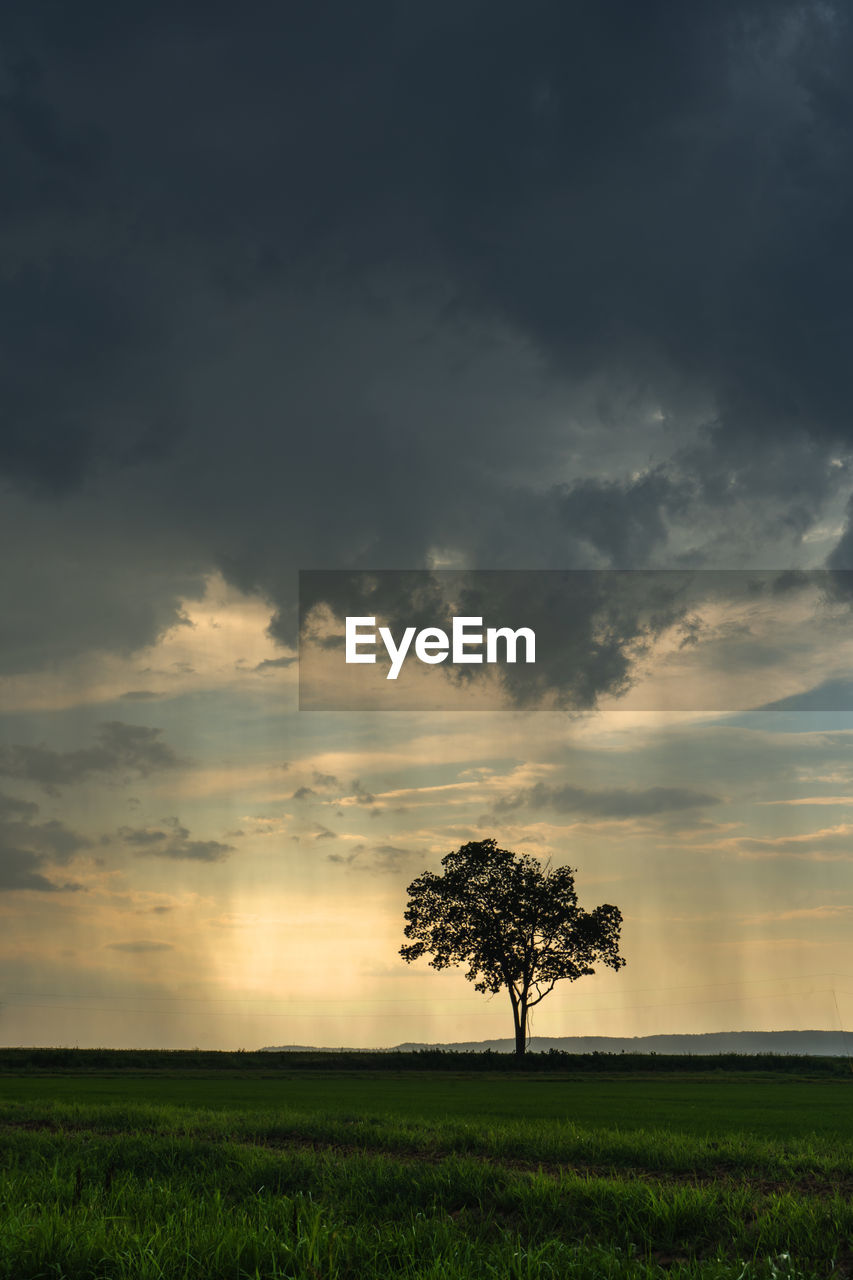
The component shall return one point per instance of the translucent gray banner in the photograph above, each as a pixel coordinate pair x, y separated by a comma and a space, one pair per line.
575, 640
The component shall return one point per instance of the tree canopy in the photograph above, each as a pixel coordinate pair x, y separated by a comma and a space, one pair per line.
514, 923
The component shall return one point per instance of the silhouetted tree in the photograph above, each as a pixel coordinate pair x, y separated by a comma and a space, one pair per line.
515, 925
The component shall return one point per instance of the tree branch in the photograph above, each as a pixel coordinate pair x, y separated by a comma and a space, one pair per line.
542, 994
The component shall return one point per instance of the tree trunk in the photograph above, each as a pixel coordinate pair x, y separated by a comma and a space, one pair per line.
519, 1015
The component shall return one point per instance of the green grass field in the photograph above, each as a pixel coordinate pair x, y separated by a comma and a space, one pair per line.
438, 1175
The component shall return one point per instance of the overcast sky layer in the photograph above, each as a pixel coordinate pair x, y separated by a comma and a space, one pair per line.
388, 285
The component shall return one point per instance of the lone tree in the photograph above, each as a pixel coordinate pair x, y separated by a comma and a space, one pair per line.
515, 925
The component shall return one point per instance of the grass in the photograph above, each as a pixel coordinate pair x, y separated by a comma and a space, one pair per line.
776, 1106
422, 1176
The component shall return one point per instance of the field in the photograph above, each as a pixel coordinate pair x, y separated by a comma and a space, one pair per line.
421, 1174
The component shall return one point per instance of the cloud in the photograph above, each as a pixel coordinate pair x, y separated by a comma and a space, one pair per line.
75, 592
19, 870
360, 794
615, 803
378, 858
346, 859
828, 844
605, 257
174, 843
390, 857
624, 521
12, 807
847, 801
550, 286
141, 837
140, 947
827, 911
27, 847
119, 750
830, 695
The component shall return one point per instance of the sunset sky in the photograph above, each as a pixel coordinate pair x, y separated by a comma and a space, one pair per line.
421, 287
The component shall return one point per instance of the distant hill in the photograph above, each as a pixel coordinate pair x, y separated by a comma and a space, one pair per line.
811, 1043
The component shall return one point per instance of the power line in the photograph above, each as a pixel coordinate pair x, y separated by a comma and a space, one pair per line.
437, 1013
684, 986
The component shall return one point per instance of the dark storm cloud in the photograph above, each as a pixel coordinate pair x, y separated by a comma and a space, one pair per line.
19, 870
658, 190
51, 839
28, 846
86, 574
21, 810
49, 443
174, 843
119, 750
615, 802
626, 522
533, 283
589, 627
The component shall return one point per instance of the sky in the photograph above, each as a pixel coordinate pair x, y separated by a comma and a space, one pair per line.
441, 288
